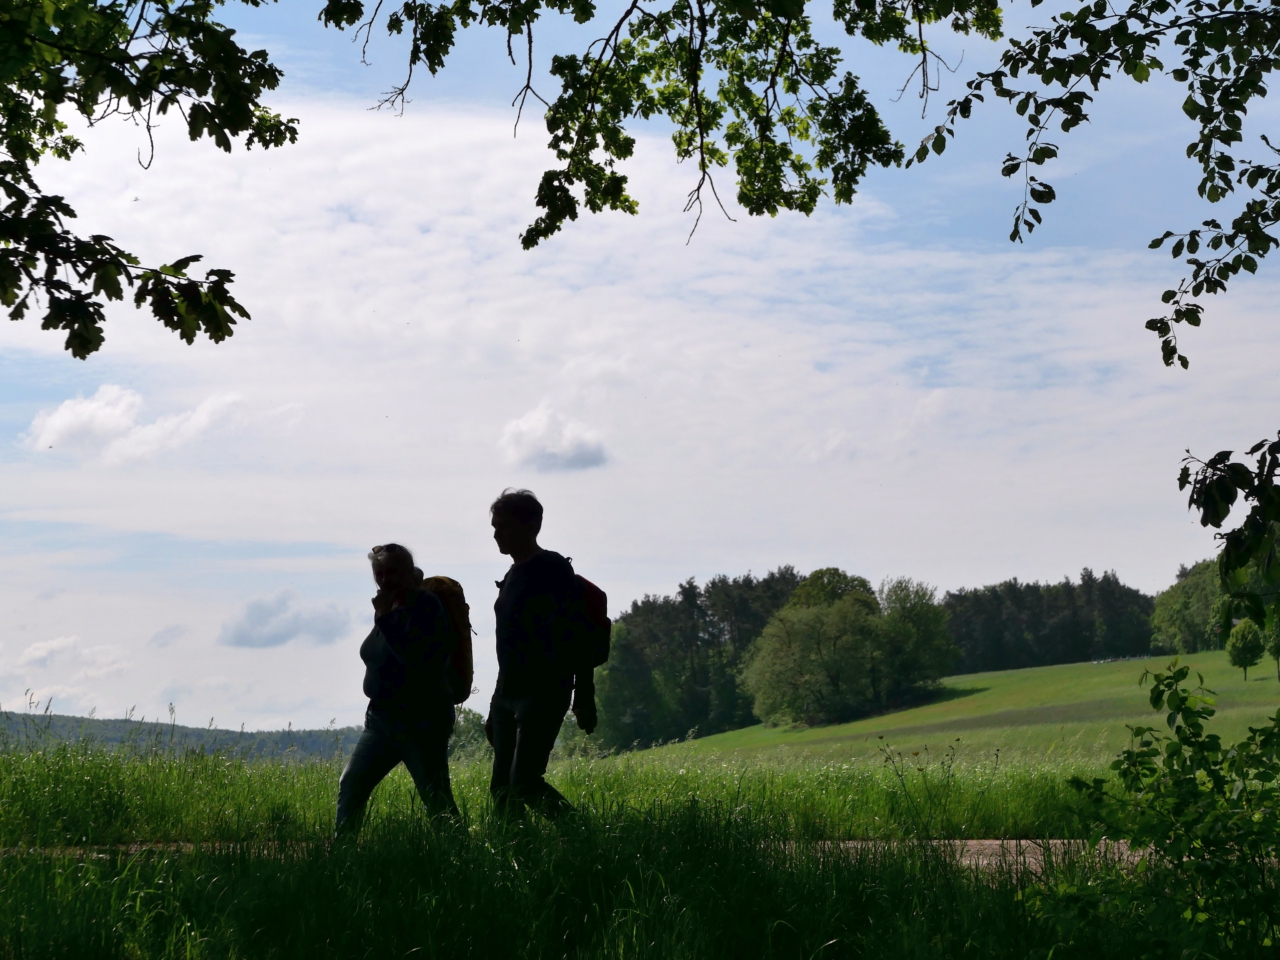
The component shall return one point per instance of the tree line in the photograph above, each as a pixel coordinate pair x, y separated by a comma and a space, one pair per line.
1013, 624
829, 647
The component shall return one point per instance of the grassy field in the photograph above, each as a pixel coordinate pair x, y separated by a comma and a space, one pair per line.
1070, 715
119, 855
713, 848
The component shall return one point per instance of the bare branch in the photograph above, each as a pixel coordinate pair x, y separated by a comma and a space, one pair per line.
527, 89
367, 27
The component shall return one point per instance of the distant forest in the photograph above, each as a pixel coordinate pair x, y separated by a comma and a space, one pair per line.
736, 650
1013, 624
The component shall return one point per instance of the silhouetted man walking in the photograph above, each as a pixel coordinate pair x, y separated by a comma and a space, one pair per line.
542, 663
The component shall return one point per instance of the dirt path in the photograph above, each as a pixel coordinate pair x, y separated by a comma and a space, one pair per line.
993, 855
1034, 854
988, 855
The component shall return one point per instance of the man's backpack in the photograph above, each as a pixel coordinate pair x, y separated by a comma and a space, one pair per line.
598, 626
459, 666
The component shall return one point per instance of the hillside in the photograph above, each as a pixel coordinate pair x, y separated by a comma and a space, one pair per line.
1075, 712
30, 728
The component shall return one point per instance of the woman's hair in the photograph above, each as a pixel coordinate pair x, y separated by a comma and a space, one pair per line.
520, 505
392, 556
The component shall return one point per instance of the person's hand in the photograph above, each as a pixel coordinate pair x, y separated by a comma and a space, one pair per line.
488, 730
382, 603
584, 710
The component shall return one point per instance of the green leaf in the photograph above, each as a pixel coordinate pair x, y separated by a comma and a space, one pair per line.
1041, 192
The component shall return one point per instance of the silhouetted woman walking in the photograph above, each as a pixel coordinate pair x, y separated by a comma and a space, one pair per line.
410, 714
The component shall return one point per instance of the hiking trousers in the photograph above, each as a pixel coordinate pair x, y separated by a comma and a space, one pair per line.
421, 744
524, 732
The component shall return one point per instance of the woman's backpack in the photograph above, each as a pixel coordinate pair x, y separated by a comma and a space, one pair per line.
459, 666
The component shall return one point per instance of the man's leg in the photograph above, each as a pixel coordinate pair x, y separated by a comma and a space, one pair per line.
375, 755
502, 724
538, 721
426, 755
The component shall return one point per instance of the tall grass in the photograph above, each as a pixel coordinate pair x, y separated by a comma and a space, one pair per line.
64, 794
682, 881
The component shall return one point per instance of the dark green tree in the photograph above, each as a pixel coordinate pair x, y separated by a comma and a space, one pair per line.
1271, 643
1245, 647
669, 633
675, 660
138, 59
819, 663
631, 710
737, 610
917, 647
1180, 622
826, 585
1195, 613
1221, 619
855, 654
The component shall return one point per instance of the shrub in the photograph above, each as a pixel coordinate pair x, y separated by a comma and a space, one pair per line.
1204, 819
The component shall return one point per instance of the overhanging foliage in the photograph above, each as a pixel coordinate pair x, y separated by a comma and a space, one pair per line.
138, 59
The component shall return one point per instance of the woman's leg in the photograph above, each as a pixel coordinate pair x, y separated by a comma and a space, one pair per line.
426, 754
375, 755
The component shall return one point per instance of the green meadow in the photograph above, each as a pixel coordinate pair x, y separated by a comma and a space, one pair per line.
1075, 714
729, 846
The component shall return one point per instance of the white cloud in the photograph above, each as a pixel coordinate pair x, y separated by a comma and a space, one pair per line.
275, 621
42, 651
106, 423
108, 414
168, 432
546, 441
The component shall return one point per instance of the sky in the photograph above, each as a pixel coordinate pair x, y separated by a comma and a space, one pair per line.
889, 387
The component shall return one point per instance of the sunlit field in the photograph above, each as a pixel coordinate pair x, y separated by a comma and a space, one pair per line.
1073, 715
